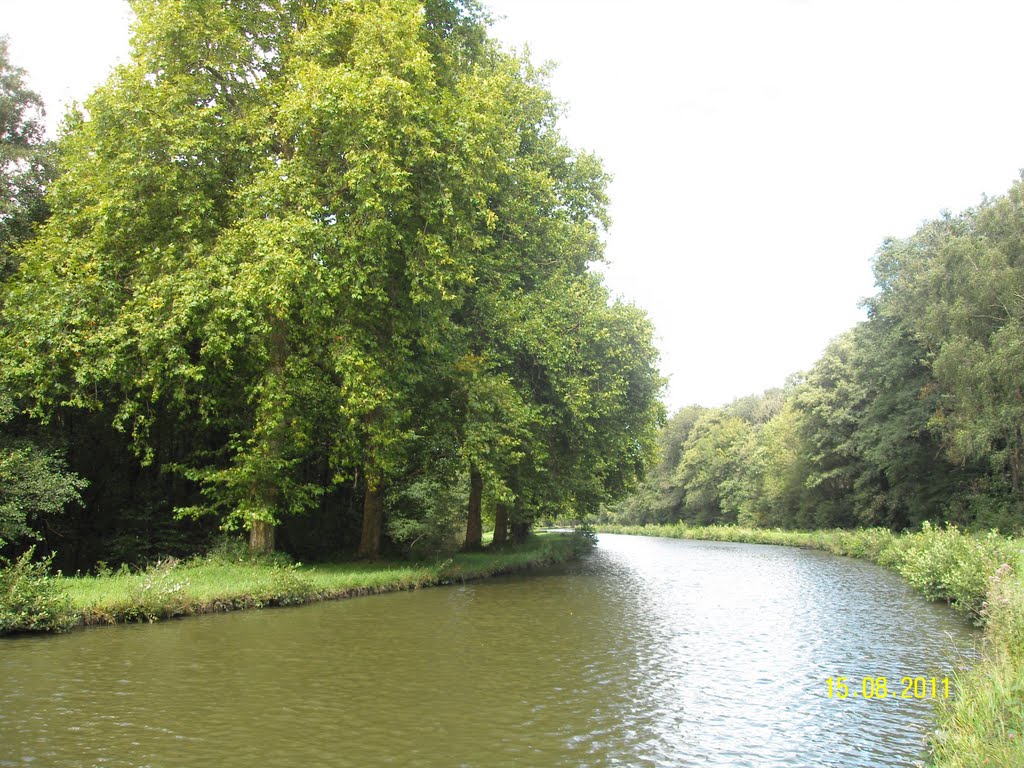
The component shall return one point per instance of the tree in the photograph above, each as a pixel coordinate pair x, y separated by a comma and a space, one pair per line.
771, 492
311, 240
904, 479
712, 456
591, 365
35, 483
830, 403
34, 479
518, 320
254, 223
955, 288
25, 161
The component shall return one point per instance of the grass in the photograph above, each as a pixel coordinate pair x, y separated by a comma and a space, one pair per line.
982, 576
231, 580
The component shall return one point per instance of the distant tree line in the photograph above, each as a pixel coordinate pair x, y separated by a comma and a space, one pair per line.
318, 271
915, 414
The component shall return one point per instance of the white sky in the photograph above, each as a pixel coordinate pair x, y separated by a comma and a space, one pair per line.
761, 149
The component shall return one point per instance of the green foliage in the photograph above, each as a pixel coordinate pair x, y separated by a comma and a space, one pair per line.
30, 598
716, 465
947, 564
712, 459
428, 515
231, 550
299, 243
33, 484
34, 481
912, 416
984, 723
771, 487
1003, 610
584, 537
160, 592
26, 163
289, 586
866, 543
956, 287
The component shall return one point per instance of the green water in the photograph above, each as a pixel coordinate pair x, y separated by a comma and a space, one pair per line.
652, 652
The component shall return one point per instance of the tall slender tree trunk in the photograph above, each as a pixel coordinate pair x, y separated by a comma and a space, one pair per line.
261, 536
500, 525
520, 531
474, 522
261, 532
1015, 461
373, 520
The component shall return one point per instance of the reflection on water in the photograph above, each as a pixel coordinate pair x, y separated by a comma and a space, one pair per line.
652, 652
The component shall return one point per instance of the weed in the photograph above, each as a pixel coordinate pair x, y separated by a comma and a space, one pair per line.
30, 598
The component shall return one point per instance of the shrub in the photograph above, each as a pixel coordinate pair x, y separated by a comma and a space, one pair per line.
947, 564
428, 517
33, 483
162, 592
1003, 611
232, 550
584, 537
30, 598
867, 543
288, 587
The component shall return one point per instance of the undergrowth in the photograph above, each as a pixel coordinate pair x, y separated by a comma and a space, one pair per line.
30, 598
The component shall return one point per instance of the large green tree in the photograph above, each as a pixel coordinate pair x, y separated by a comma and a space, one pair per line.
333, 241
26, 162
955, 287
255, 224
35, 484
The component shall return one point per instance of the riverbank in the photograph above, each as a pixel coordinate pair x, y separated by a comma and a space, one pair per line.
231, 580
982, 576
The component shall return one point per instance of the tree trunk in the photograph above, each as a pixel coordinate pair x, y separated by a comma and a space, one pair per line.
261, 533
520, 531
261, 536
1015, 461
500, 525
474, 523
373, 521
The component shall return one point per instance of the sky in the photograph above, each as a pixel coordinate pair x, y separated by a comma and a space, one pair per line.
761, 150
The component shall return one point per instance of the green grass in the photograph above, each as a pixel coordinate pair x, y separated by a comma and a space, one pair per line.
217, 583
982, 576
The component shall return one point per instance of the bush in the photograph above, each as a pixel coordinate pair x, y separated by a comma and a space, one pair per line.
867, 543
427, 517
232, 550
288, 587
1003, 611
162, 592
582, 540
947, 564
30, 598
33, 484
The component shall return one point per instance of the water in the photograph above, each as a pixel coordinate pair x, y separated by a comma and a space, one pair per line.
652, 652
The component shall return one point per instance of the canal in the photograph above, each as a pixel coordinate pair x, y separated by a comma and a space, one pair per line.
650, 652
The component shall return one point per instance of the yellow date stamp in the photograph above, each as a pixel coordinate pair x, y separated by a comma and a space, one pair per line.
879, 688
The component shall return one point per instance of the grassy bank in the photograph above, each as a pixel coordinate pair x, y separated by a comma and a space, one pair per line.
230, 580
982, 576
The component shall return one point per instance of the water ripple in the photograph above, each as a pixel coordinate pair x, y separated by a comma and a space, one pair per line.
651, 653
